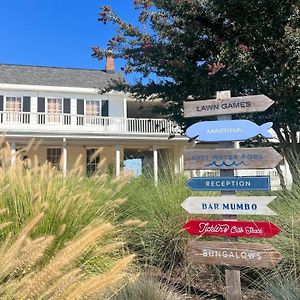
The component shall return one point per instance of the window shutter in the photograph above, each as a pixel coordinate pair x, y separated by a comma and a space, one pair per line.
26, 104
67, 106
41, 104
80, 106
104, 108
1, 102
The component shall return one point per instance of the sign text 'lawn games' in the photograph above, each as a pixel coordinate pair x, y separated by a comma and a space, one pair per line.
226, 159
235, 105
233, 254
232, 130
229, 205
246, 229
240, 183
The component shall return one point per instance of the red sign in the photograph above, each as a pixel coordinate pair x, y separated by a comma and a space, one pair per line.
254, 229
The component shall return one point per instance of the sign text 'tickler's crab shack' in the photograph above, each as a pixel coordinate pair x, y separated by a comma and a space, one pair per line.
224, 158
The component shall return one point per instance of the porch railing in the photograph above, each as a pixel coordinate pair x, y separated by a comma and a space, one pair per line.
95, 123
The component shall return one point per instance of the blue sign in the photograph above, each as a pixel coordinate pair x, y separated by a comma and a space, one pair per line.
231, 130
243, 183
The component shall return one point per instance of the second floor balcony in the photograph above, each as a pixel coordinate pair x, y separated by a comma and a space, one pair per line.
60, 122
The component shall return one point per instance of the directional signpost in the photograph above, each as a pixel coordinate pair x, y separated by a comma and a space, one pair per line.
229, 159
234, 254
229, 205
224, 131
246, 229
241, 183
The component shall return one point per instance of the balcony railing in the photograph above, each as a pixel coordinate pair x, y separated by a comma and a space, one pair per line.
52, 121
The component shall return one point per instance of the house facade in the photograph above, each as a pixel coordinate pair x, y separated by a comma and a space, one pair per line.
72, 123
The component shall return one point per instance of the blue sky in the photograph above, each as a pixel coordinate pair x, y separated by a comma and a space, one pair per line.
56, 32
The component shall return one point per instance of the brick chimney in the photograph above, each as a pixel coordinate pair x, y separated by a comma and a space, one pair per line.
110, 63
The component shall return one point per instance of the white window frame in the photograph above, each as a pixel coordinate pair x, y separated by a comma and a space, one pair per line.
100, 107
61, 104
5, 101
55, 117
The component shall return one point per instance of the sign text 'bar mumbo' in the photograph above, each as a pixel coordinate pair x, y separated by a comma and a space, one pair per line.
240, 183
246, 229
229, 205
228, 159
234, 105
233, 254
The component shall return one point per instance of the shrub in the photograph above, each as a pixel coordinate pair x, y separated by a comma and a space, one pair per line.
146, 289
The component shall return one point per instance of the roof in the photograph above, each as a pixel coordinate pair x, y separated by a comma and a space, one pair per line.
56, 76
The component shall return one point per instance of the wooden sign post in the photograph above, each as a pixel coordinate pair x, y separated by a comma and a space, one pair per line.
225, 106
232, 277
234, 254
231, 159
224, 131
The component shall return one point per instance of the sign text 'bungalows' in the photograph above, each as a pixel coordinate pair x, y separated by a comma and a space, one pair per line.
233, 254
234, 105
229, 228
229, 205
243, 158
241, 183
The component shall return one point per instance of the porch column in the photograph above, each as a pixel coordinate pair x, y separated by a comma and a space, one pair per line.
178, 160
125, 114
65, 157
12, 153
181, 160
155, 164
118, 160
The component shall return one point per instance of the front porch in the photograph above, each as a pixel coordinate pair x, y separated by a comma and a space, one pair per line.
104, 156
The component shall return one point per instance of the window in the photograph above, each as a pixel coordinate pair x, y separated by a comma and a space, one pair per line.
13, 108
92, 161
54, 156
92, 112
92, 108
13, 104
54, 110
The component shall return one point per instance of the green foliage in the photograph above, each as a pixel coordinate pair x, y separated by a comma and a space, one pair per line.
197, 47
162, 241
282, 286
69, 204
146, 289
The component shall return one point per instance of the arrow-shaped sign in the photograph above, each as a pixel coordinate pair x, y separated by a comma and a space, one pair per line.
229, 205
235, 105
247, 229
240, 183
226, 159
231, 130
233, 254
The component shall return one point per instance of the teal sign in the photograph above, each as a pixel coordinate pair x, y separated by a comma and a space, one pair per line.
243, 183
231, 130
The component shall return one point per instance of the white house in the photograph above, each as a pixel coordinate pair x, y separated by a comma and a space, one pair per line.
63, 109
